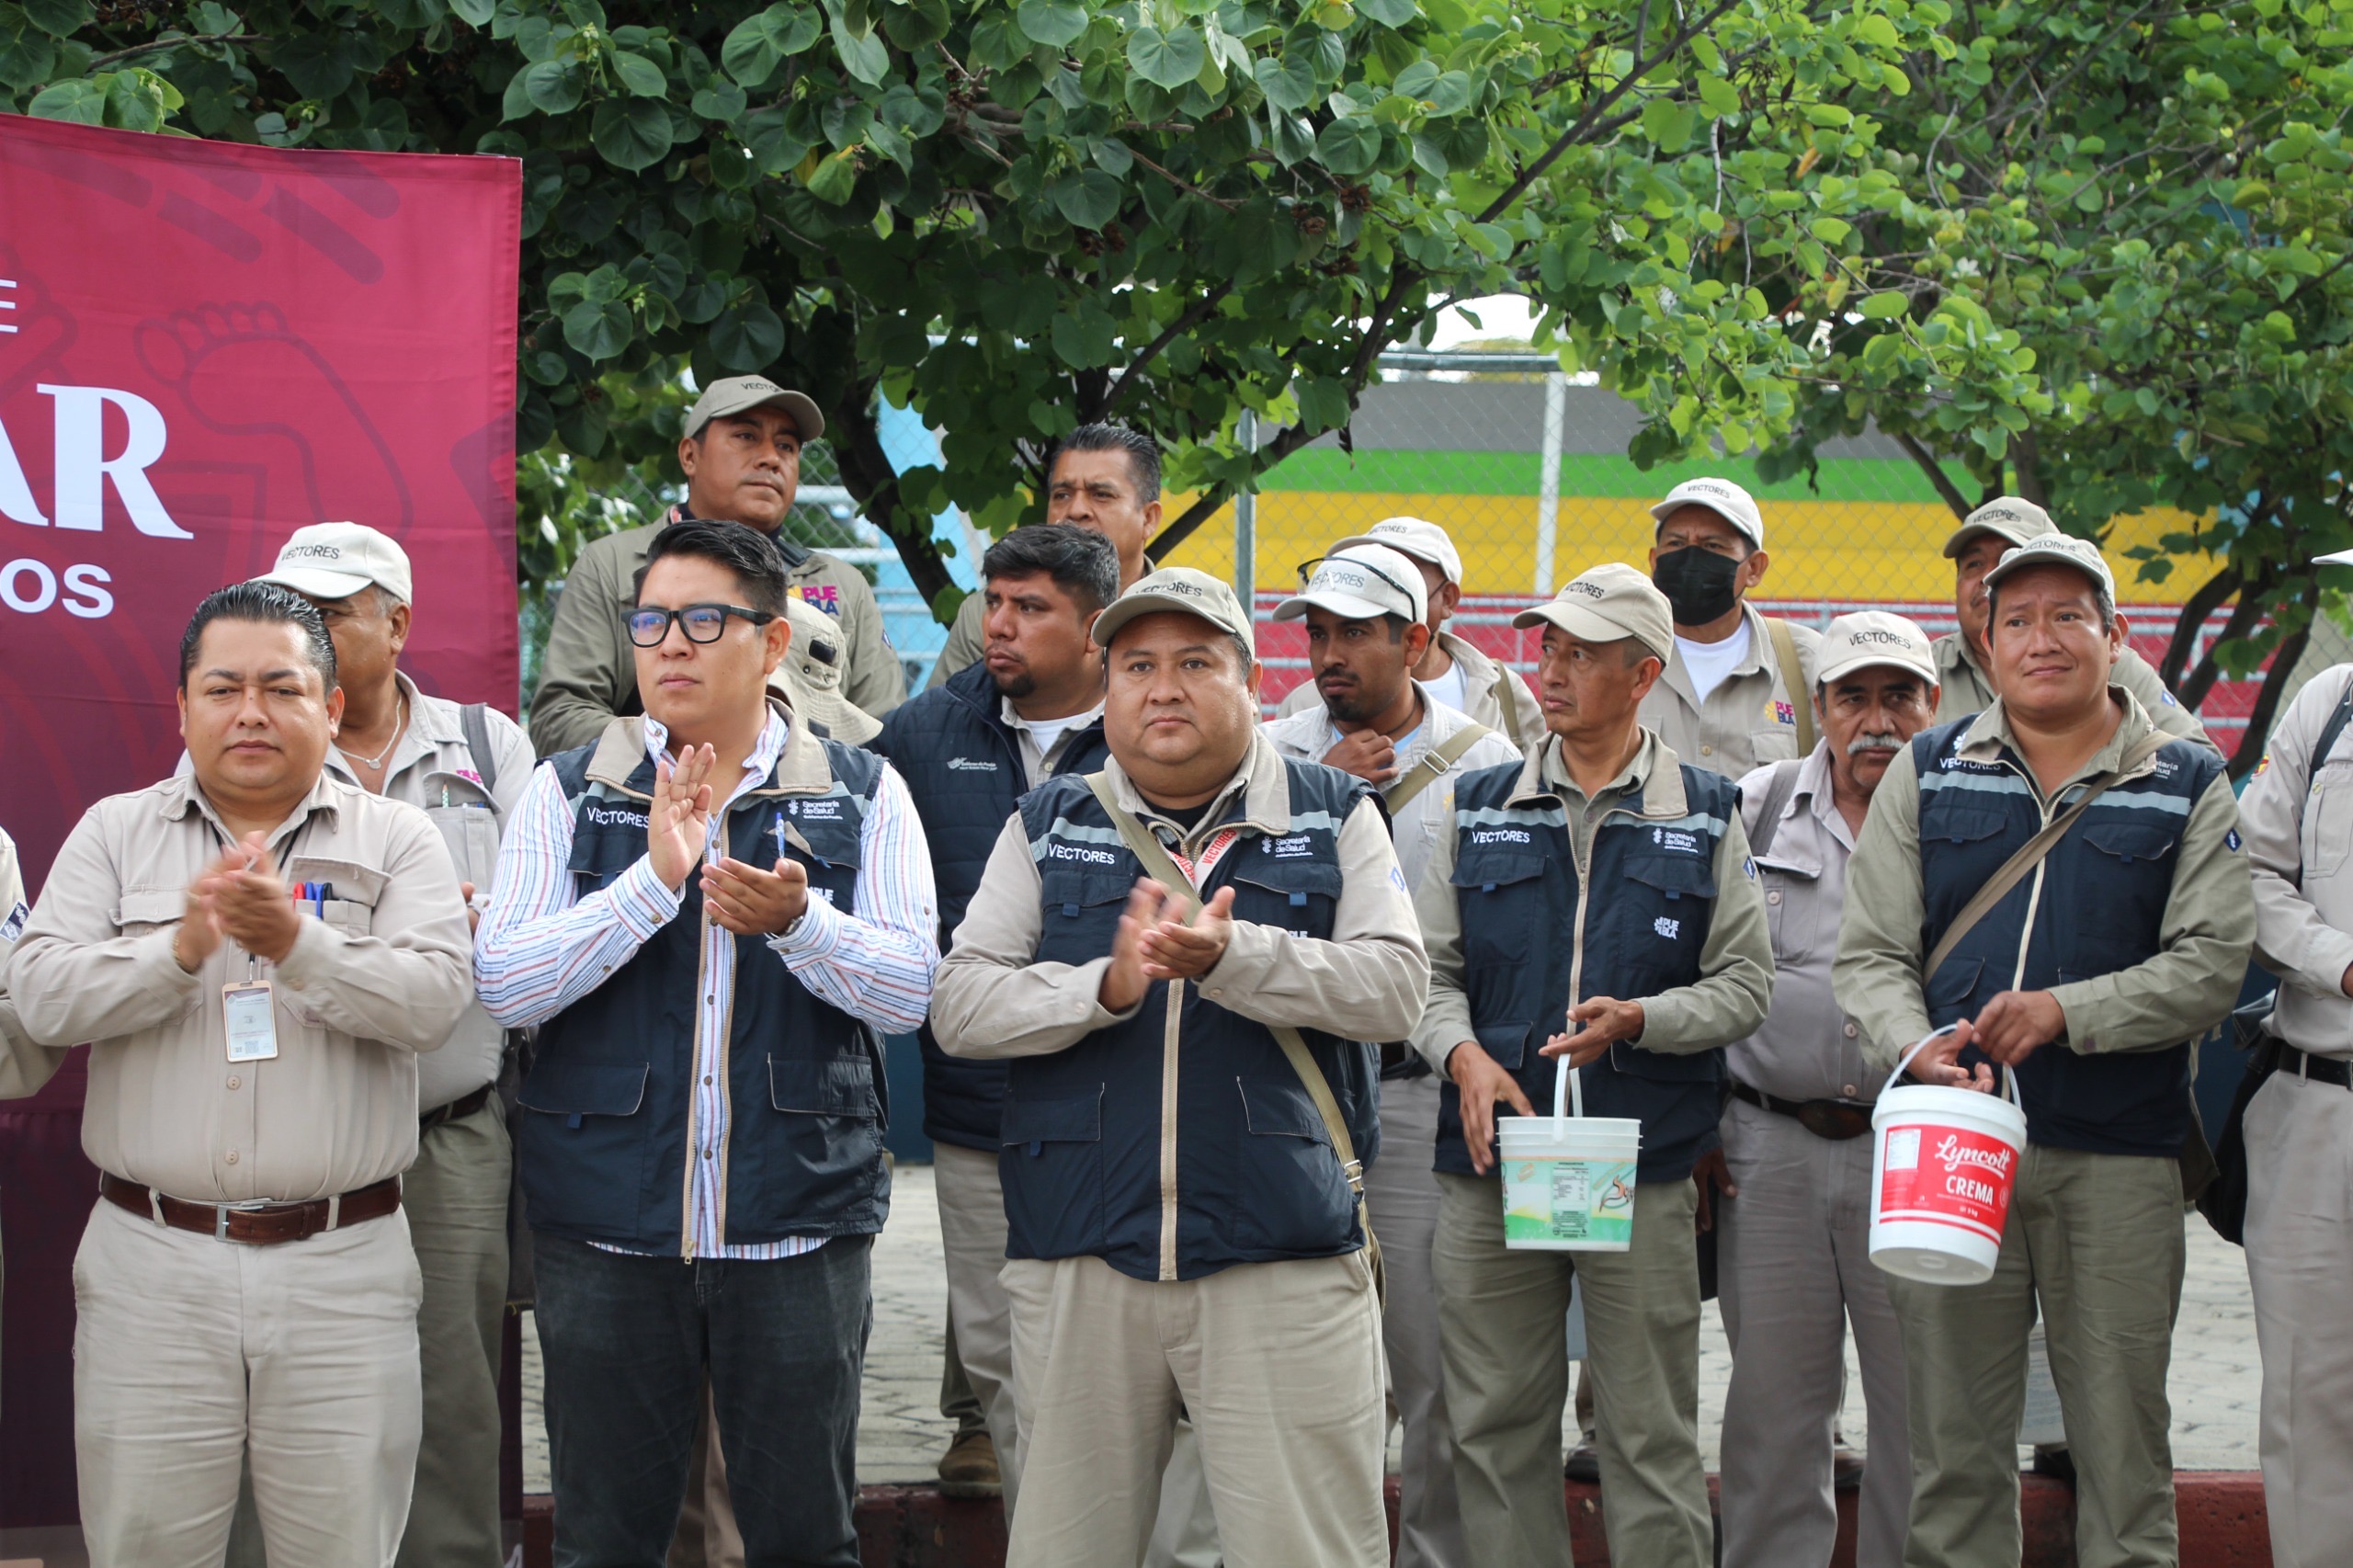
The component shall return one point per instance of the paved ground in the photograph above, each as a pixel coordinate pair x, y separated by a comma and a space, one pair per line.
900, 1436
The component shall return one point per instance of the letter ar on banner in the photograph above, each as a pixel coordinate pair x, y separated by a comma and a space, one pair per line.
204, 346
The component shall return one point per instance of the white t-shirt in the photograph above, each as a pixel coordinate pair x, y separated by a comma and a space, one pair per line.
1449, 689
1712, 664
1046, 734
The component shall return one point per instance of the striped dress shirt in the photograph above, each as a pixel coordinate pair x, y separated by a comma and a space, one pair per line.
542, 948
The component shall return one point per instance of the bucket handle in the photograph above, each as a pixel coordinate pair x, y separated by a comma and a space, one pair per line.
1568, 1091
2009, 1077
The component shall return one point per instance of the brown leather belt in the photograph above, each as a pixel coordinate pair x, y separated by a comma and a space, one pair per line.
1835, 1120
256, 1224
456, 1110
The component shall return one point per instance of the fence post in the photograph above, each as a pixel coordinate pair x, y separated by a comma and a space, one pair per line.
1246, 526
1548, 483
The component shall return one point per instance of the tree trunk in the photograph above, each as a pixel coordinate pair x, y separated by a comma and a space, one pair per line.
874, 483
2284, 659
2244, 615
2201, 603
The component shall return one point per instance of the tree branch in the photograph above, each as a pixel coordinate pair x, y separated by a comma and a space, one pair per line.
101, 61
2209, 598
2244, 615
1936, 472
1594, 110
2284, 660
1189, 318
1183, 184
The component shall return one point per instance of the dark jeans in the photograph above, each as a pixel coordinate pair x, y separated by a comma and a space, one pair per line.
628, 1342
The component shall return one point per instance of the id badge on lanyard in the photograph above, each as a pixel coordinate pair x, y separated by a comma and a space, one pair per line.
250, 1013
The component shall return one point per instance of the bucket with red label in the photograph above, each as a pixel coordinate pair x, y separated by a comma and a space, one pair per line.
1943, 1164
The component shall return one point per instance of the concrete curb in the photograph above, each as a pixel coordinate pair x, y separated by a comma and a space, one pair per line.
2222, 1525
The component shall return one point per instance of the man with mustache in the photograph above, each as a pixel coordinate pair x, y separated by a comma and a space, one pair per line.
741, 456
2090, 981
1794, 1259
1366, 634
1452, 669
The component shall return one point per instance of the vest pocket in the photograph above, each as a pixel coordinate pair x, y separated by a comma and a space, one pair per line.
840, 1087
1295, 1197
578, 1089
1507, 1042
583, 1152
1950, 991
2130, 841
1079, 913
1297, 896
1501, 898
1052, 1164
1665, 905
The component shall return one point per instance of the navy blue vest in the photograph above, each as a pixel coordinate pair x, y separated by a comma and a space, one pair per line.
962, 764
605, 1158
1257, 1180
2100, 908
1652, 892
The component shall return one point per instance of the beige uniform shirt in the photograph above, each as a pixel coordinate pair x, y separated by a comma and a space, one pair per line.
965, 639
1963, 687
1366, 982
2186, 989
1494, 695
382, 977
432, 769
2299, 829
1035, 761
1308, 735
1808, 1049
589, 672
1749, 718
1735, 961
24, 1066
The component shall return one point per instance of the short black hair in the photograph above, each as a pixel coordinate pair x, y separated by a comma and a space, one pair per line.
1143, 454
1083, 564
264, 604
743, 550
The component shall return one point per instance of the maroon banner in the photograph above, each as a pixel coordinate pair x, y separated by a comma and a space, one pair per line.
204, 346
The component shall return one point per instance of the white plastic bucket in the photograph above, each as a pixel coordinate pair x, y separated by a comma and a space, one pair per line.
1568, 1178
1943, 1164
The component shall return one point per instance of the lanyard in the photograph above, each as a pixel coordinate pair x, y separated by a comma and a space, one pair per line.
1198, 872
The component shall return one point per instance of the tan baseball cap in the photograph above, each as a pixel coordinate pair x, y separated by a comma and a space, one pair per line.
1363, 582
1184, 591
1421, 539
1723, 497
2056, 549
1602, 604
812, 673
740, 395
1874, 637
2013, 519
335, 560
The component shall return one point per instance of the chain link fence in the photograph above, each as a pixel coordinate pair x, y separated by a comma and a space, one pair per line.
1526, 470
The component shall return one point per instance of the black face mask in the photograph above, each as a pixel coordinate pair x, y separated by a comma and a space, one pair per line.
1699, 583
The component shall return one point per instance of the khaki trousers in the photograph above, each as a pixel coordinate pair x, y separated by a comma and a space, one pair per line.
455, 1198
971, 1235
1279, 1367
2300, 1262
1507, 1379
2094, 1242
1402, 1193
190, 1353
1793, 1270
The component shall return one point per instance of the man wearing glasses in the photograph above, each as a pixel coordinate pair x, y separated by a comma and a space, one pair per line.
711, 913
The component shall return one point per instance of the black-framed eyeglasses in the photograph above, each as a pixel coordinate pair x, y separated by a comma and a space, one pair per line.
1307, 572
702, 623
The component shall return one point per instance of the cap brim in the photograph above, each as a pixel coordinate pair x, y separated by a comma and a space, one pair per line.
1828, 672
1662, 510
2010, 565
844, 719
806, 419
318, 585
1451, 573
1129, 606
1578, 621
1347, 606
1958, 540
2334, 558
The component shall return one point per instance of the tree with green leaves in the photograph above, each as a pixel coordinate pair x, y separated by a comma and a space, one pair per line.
2141, 212
1018, 215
